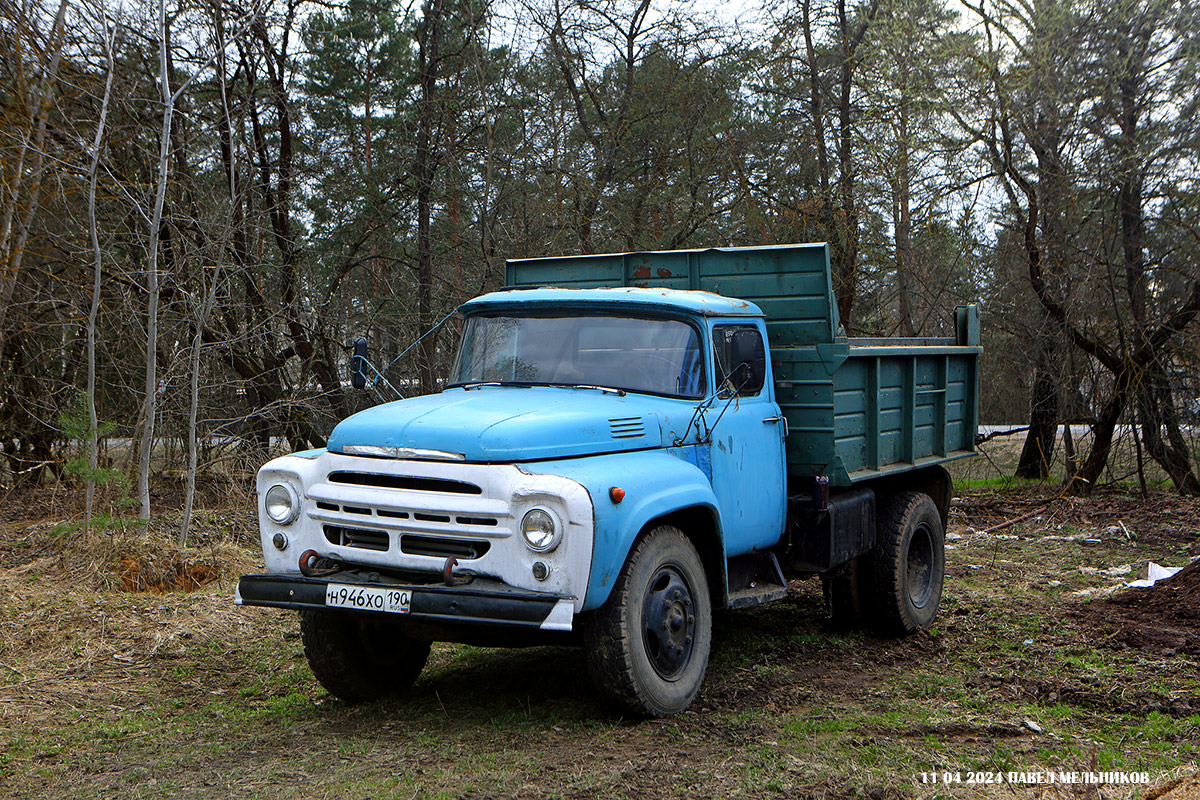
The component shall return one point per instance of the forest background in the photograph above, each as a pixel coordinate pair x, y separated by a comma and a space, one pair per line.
202, 203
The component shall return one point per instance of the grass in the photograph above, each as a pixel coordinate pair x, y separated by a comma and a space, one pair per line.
106, 693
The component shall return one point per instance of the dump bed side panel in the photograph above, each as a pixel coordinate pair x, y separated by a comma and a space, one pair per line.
899, 408
855, 413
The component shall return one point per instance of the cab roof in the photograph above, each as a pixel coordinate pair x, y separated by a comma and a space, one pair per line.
691, 301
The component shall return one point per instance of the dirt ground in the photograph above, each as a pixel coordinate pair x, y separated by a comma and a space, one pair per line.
125, 671
1164, 618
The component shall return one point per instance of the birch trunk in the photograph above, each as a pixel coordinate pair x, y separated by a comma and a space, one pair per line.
94, 310
152, 287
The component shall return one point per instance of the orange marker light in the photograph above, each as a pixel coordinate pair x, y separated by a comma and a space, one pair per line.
617, 494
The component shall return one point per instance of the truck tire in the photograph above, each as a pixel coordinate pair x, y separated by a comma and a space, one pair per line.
647, 647
358, 658
845, 594
909, 563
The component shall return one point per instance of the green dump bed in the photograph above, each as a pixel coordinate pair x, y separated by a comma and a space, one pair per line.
856, 408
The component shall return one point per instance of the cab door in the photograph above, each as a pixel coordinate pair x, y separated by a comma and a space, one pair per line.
747, 432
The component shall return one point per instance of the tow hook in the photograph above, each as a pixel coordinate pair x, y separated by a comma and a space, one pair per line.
310, 565
448, 576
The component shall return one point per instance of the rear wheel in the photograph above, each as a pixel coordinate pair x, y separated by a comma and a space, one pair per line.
360, 658
909, 561
647, 647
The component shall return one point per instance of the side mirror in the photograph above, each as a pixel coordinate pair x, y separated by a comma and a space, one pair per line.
358, 364
748, 359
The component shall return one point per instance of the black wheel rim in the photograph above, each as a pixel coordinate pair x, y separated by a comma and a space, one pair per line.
919, 566
668, 622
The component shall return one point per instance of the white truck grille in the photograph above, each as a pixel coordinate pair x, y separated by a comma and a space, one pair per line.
412, 516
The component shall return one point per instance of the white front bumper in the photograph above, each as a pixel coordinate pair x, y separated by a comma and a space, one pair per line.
413, 515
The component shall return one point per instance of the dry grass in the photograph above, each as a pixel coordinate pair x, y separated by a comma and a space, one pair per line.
77, 621
107, 692
135, 561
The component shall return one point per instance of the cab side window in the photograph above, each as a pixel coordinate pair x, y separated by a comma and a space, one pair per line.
741, 359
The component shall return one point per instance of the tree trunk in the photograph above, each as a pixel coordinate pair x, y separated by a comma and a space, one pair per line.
94, 308
1069, 457
1156, 413
424, 169
12, 252
152, 288
844, 259
1038, 452
205, 310
1102, 438
904, 250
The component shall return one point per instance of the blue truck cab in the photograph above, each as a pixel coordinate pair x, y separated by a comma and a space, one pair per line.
606, 464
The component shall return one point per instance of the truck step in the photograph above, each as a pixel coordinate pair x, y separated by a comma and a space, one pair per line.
754, 579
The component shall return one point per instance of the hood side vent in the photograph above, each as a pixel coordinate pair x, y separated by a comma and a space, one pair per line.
627, 427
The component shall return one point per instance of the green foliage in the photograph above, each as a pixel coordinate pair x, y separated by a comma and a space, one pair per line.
76, 426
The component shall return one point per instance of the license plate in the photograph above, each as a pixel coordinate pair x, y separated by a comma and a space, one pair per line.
368, 598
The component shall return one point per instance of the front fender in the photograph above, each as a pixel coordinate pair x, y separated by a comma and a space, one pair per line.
655, 483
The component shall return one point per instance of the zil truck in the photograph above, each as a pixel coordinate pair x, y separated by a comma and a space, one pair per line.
626, 443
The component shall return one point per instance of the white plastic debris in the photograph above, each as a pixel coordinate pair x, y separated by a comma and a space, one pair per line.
1152, 573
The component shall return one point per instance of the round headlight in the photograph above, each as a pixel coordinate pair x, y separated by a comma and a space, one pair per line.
539, 531
281, 504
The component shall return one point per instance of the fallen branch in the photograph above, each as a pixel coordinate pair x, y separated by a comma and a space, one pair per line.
988, 437
1008, 523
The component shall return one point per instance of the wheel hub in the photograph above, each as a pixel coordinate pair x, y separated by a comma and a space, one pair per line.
668, 623
919, 566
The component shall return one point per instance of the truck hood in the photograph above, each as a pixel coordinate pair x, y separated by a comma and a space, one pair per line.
512, 423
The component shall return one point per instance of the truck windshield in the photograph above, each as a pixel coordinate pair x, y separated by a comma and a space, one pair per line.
637, 354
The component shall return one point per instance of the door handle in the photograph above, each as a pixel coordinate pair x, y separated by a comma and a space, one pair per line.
779, 418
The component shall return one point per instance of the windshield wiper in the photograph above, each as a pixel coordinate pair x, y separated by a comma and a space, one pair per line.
617, 392
473, 384
480, 384
527, 384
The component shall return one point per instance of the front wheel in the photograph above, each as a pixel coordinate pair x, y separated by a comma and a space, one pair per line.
910, 562
647, 647
359, 658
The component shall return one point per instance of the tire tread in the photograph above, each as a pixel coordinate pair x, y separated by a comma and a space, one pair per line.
893, 516
610, 643
339, 651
